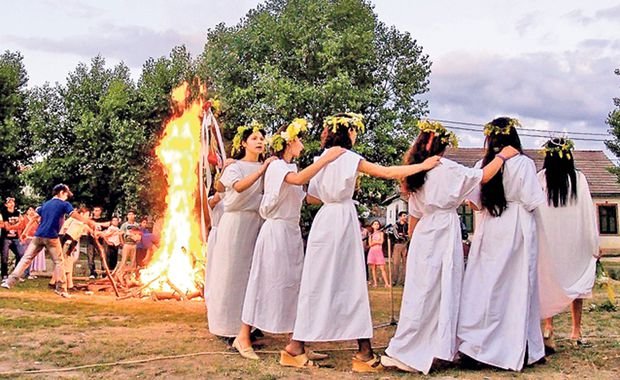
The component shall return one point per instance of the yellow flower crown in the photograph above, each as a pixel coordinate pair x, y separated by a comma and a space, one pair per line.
348, 119
491, 129
216, 105
562, 147
293, 130
447, 137
255, 126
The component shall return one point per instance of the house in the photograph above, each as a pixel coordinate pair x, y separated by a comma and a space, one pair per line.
594, 164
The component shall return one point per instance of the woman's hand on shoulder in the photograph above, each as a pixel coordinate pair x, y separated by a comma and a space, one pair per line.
430, 162
267, 162
334, 152
509, 152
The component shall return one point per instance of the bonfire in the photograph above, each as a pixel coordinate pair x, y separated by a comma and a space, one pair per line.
176, 269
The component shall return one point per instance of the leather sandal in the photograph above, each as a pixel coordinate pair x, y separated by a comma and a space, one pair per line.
371, 366
299, 361
313, 355
247, 352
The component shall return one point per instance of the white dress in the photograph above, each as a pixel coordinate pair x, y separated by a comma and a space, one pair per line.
233, 249
271, 297
500, 313
333, 296
430, 304
215, 214
566, 263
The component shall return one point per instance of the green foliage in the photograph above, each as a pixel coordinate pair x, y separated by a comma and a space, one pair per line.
314, 58
613, 120
15, 149
98, 133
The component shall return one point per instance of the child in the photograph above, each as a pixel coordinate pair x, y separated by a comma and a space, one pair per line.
333, 296
375, 254
271, 296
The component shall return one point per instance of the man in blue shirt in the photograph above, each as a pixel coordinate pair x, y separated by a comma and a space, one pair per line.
52, 215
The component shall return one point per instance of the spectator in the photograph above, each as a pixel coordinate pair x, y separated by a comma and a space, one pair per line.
31, 220
112, 239
91, 241
52, 215
401, 235
11, 226
129, 238
145, 244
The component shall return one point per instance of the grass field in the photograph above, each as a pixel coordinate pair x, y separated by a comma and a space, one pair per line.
39, 330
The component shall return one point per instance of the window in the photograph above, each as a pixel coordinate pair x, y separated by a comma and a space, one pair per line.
467, 216
607, 219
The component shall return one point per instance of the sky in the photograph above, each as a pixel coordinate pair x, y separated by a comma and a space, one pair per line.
549, 63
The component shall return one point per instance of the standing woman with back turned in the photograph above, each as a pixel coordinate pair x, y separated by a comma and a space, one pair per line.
430, 304
237, 231
567, 261
333, 296
499, 319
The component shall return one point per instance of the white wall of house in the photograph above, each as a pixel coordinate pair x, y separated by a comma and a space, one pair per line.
609, 243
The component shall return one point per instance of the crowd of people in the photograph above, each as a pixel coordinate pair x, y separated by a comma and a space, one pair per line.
43, 230
260, 277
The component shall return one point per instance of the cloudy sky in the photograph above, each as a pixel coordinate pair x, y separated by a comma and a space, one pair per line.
549, 63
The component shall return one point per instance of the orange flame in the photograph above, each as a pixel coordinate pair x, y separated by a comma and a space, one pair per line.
176, 264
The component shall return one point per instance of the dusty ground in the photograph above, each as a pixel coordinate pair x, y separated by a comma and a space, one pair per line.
39, 330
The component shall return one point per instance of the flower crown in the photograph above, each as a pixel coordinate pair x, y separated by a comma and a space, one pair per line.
255, 126
435, 127
293, 130
560, 146
348, 119
492, 129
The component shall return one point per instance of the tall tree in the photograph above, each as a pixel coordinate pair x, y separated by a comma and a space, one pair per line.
613, 120
313, 58
15, 150
86, 135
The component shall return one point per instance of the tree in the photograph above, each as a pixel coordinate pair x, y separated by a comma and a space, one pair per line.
98, 133
613, 120
87, 136
15, 150
313, 58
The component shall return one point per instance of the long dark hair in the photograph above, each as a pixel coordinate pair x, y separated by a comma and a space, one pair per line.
244, 137
492, 192
559, 173
417, 153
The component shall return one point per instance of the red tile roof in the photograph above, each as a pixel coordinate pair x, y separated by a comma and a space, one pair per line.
593, 164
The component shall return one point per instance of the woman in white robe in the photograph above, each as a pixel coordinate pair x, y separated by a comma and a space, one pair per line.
333, 297
567, 261
216, 210
499, 318
271, 296
236, 234
430, 303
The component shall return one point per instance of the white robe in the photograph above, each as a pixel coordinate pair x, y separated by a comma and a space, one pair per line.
568, 242
430, 304
333, 296
500, 312
215, 214
271, 296
233, 249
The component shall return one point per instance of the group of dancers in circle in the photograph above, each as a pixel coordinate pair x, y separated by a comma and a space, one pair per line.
258, 276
